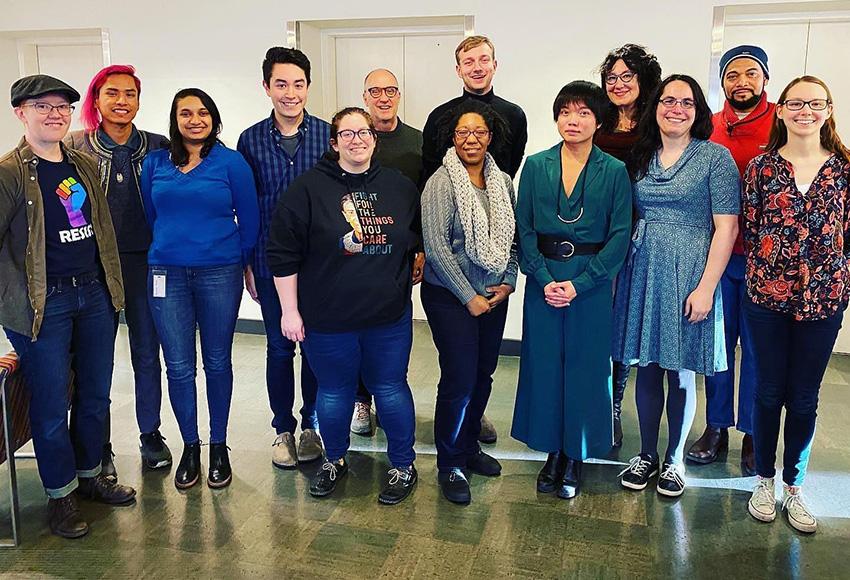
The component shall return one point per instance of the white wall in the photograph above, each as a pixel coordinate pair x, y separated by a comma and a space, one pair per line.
219, 47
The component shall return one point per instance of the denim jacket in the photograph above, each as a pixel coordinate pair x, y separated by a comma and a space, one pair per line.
23, 269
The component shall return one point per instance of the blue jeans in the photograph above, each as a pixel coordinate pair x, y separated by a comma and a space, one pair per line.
207, 297
720, 388
78, 320
380, 355
280, 371
469, 353
791, 358
681, 408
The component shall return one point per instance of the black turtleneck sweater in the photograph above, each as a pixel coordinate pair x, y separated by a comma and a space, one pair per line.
508, 154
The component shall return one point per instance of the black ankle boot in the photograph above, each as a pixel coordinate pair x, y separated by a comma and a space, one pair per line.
621, 377
190, 466
219, 475
572, 479
552, 472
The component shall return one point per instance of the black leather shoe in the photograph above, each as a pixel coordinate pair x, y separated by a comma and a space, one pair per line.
107, 466
711, 443
571, 480
64, 517
324, 482
399, 485
105, 490
621, 378
454, 486
552, 472
189, 470
748, 457
483, 464
219, 474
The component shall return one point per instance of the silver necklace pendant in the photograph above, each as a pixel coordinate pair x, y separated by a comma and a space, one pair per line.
119, 177
572, 221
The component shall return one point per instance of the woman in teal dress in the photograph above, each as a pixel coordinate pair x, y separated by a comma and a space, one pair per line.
573, 218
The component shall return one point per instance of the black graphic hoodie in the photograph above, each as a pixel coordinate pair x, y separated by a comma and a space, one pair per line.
350, 238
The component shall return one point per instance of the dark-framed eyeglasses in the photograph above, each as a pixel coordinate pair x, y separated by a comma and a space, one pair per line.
375, 92
65, 109
670, 102
798, 104
347, 135
626, 77
480, 134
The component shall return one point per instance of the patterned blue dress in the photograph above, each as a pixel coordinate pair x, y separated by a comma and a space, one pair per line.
666, 260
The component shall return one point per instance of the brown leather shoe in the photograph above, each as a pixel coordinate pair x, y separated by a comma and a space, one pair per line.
105, 490
706, 449
64, 517
748, 457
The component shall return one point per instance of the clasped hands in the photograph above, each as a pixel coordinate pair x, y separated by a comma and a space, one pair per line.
482, 304
559, 294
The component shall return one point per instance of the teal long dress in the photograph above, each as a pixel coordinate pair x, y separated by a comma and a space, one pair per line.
563, 398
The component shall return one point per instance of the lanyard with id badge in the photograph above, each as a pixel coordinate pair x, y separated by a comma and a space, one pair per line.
158, 283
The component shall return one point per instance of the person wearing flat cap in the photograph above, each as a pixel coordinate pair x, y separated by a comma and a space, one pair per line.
61, 276
743, 127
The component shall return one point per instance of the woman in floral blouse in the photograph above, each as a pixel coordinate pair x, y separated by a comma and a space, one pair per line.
797, 236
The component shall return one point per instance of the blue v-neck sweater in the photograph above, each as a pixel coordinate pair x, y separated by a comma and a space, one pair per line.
207, 217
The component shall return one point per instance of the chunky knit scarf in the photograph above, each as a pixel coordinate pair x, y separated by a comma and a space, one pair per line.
488, 239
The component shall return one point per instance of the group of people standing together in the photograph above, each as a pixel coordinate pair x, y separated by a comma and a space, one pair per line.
653, 234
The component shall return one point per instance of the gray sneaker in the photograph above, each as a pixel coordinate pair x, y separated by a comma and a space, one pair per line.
361, 420
283, 452
309, 446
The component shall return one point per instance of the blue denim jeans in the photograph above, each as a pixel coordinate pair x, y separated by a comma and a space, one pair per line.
791, 358
280, 370
78, 320
206, 297
380, 355
720, 388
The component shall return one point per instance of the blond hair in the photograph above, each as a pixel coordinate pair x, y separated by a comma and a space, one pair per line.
471, 42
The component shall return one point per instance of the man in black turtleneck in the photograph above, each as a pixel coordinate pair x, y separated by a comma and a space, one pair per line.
476, 66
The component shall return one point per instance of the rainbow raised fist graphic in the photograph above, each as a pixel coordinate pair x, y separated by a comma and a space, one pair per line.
73, 195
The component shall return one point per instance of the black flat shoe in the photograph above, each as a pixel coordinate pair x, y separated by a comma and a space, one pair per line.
455, 487
324, 482
552, 472
219, 474
571, 480
189, 470
484, 464
400, 484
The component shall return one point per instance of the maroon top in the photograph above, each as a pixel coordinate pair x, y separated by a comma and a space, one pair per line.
618, 144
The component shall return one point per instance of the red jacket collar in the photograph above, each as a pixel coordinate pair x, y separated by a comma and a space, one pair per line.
731, 117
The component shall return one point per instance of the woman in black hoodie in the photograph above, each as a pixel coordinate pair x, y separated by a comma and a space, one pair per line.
340, 248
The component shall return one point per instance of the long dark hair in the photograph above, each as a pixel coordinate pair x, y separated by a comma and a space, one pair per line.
179, 154
648, 71
829, 138
649, 134
495, 123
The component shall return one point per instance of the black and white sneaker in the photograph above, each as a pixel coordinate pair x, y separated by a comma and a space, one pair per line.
671, 482
640, 470
399, 485
155, 453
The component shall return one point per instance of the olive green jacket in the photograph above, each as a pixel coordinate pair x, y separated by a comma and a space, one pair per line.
23, 275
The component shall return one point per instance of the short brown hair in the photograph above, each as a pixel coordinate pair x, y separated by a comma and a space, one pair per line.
471, 42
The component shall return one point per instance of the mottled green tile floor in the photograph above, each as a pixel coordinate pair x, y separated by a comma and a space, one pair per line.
266, 525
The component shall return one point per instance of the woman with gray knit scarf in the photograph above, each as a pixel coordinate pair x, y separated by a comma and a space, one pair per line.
468, 228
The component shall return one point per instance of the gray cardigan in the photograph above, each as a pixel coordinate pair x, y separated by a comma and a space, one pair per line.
446, 262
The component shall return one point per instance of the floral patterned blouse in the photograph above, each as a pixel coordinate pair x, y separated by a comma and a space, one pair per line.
797, 243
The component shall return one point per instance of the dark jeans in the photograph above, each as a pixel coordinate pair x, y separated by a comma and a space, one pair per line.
207, 297
380, 355
681, 408
468, 348
78, 320
791, 357
280, 370
720, 388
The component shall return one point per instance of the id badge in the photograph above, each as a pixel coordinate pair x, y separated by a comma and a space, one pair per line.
158, 283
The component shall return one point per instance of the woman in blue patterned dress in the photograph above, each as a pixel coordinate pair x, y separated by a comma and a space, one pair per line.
668, 315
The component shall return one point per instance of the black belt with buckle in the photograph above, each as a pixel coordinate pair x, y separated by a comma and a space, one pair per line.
73, 281
556, 248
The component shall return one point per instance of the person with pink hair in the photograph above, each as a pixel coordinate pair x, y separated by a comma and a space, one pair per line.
110, 137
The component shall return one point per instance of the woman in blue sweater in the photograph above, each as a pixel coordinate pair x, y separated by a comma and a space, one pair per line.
201, 204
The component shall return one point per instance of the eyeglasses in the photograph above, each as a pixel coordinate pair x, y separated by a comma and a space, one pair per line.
626, 77
798, 104
375, 92
670, 102
46, 108
348, 135
480, 134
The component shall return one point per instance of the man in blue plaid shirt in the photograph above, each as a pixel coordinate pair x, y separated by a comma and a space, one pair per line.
280, 148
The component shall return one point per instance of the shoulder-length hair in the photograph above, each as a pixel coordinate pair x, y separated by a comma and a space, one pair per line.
648, 71
829, 138
649, 134
499, 130
89, 114
179, 154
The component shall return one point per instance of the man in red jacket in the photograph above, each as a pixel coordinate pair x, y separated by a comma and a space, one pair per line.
743, 126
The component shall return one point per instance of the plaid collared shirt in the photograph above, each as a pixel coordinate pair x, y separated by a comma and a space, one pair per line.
274, 170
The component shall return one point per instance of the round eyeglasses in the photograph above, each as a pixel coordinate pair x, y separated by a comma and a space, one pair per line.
375, 92
347, 135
